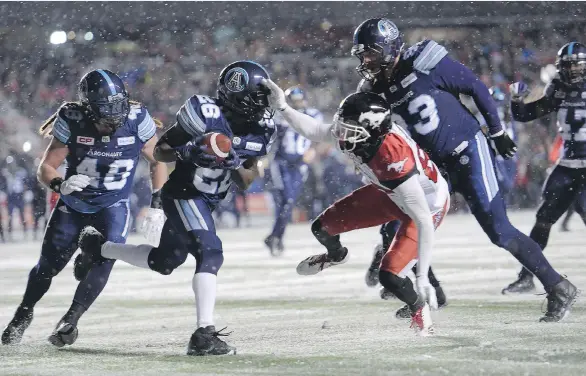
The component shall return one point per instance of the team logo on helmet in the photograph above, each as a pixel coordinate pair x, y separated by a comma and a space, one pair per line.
388, 30
236, 79
373, 119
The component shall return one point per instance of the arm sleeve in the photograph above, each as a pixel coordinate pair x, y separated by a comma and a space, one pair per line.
409, 196
307, 126
61, 130
176, 136
524, 112
146, 127
189, 118
459, 79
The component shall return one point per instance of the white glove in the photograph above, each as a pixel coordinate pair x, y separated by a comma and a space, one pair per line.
75, 183
426, 291
276, 98
152, 225
519, 90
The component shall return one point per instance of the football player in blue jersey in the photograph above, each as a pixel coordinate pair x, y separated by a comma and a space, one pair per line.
101, 138
287, 169
195, 188
566, 184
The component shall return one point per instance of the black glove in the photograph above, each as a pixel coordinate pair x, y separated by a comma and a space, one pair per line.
232, 161
196, 153
504, 145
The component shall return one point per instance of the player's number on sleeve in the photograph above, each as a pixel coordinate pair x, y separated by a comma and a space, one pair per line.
425, 107
211, 180
295, 145
112, 178
428, 166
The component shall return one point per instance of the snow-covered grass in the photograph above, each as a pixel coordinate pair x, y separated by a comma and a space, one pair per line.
285, 324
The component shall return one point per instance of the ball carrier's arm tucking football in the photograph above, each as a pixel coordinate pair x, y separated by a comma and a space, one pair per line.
217, 144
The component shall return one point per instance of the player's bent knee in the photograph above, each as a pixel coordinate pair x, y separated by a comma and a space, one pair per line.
210, 261
165, 261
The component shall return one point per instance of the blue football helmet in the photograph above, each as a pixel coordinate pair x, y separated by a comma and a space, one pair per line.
240, 91
497, 94
104, 94
296, 96
378, 44
571, 63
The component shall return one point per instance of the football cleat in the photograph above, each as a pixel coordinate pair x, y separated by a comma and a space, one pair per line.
405, 313
274, 245
421, 321
64, 334
14, 331
315, 264
559, 301
523, 284
90, 243
206, 341
371, 277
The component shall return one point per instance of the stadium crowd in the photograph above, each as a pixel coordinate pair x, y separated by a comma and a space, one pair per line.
170, 65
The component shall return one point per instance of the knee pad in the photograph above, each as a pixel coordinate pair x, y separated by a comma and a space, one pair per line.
329, 241
208, 252
401, 287
164, 261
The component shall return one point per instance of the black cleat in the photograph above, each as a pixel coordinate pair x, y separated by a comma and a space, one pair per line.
405, 313
205, 341
559, 301
90, 242
64, 334
274, 245
371, 277
523, 284
13, 332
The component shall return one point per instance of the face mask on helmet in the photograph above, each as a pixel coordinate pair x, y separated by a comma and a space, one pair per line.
348, 133
110, 115
572, 71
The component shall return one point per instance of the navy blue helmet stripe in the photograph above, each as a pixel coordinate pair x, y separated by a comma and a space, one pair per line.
108, 80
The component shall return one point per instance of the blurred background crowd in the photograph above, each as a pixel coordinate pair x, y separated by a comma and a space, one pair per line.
167, 52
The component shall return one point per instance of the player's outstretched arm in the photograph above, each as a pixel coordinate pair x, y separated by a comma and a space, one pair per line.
530, 111
303, 124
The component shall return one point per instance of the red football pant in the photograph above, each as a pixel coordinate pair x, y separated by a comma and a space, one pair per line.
369, 206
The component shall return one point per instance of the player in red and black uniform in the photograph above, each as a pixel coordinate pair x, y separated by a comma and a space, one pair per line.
404, 184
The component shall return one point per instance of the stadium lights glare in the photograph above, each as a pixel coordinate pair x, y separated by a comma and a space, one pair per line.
88, 36
58, 37
26, 147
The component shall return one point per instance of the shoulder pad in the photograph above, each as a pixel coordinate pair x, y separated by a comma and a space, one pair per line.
145, 125
72, 112
189, 116
426, 55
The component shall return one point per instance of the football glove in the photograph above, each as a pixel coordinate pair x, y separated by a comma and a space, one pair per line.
504, 145
276, 98
152, 225
196, 154
231, 162
519, 90
426, 291
75, 183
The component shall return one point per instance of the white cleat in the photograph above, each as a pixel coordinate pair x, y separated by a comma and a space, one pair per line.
421, 321
315, 264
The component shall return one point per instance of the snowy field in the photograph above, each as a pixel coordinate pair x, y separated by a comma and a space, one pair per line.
141, 323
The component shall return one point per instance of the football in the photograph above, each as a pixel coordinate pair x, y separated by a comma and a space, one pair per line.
217, 144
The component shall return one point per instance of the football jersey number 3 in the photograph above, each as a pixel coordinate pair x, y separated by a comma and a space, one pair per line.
425, 107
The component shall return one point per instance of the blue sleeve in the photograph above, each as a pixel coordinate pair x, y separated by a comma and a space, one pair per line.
146, 128
524, 112
191, 119
456, 78
256, 144
61, 129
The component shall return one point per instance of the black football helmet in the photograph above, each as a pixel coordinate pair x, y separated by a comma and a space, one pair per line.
106, 98
362, 121
571, 63
240, 91
378, 44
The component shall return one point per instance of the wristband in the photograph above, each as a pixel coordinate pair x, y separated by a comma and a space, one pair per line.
55, 184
